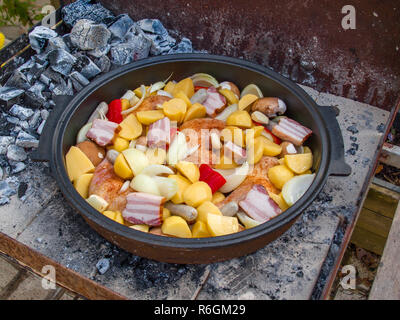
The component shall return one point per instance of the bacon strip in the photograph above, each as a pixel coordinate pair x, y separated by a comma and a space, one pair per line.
258, 205
143, 208
290, 130
102, 131
214, 101
159, 133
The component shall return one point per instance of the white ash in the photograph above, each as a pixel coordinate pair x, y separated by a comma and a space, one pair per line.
16, 153
5, 141
18, 167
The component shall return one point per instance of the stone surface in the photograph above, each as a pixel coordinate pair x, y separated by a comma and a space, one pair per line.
31, 289
7, 273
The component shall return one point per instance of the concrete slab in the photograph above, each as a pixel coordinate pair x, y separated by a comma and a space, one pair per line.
7, 273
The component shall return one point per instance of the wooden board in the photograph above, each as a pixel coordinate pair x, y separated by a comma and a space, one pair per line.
374, 222
381, 200
367, 240
387, 281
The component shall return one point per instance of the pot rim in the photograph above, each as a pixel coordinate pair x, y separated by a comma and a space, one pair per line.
60, 173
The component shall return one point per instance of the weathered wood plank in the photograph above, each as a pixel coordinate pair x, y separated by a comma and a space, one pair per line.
390, 155
387, 281
374, 222
381, 200
367, 240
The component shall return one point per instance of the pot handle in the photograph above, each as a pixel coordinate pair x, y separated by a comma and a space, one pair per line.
44, 150
337, 166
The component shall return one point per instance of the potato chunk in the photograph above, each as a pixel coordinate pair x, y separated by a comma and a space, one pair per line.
177, 227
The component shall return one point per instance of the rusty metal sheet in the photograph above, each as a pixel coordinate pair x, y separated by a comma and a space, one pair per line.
303, 40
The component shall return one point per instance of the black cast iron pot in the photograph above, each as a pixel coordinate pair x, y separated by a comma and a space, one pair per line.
71, 113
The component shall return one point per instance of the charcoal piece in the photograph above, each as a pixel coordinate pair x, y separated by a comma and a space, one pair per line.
53, 75
5, 141
103, 265
25, 140
20, 112
10, 96
6, 191
37, 70
34, 121
61, 61
40, 128
83, 9
44, 114
57, 43
26, 66
18, 167
103, 63
13, 120
46, 80
33, 101
18, 80
76, 76
185, 46
39, 36
86, 67
16, 153
99, 52
121, 25
63, 89
161, 41
87, 35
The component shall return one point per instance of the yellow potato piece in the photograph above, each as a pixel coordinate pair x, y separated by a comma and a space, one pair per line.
156, 155
204, 209
77, 163
279, 175
278, 198
121, 168
109, 214
82, 184
217, 197
169, 87
200, 230
196, 111
234, 134
138, 92
130, 128
186, 86
189, 170
255, 152
120, 144
183, 184
125, 104
246, 101
136, 160
175, 109
229, 95
269, 148
299, 163
149, 116
225, 162
177, 227
166, 213
197, 193
221, 225
183, 96
140, 227
306, 149
240, 119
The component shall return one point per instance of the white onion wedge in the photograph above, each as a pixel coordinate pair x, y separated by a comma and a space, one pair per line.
157, 86
156, 169
166, 186
178, 149
296, 187
82, 133
204, 80
227, 112
233, 177
146, 184
252, 89
164, 93
246, 220
136, 159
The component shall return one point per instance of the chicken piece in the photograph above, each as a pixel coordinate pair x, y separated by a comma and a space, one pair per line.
258, 175
150, 103
106, 184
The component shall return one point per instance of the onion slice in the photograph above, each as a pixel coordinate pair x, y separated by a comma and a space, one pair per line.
296, 187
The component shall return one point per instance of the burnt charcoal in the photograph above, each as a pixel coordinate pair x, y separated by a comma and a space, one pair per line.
53, 75
18, 167
63, 90
37, 70
41, 58
10, 96
20, 112
161, 41
87, 35
46, 80
13, 120
33, 101
185, 46
86, 67
103, 265
103, 63
18, 80
83, 9
39, 36
57, 43
16, 153
120, 27
27, 65
61, 61
76, 76
5, 141
34, 121
99, 52
25, 140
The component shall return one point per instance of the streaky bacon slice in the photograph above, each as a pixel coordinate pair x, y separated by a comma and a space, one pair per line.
292, 131
159, 133
258, 205
239, 154
214, 101
143, 208
102, 131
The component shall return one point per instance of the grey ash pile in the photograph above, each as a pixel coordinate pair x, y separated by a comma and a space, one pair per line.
63, 64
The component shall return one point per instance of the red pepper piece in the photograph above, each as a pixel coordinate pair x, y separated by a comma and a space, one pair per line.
114, 113
197, 88
211, 177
